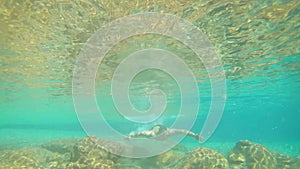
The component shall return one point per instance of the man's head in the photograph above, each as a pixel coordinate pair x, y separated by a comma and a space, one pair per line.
159, 129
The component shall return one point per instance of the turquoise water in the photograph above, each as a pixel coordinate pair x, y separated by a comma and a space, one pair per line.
258, 43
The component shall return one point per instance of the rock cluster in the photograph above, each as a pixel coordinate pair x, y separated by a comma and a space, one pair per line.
89, 154
32, 157
203, 158
168, 158
248, 155
94, 153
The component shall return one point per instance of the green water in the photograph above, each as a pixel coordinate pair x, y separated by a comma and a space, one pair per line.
257, 41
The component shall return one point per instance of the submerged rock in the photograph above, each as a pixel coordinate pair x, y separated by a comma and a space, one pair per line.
93, 152
283, 161
180, 148
247, 155
295, 163
136, 163
32, 157
61, 146
91, 163
168, 158
92, 146
203, 158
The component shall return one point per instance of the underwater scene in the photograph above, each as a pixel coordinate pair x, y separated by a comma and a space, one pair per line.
158, 84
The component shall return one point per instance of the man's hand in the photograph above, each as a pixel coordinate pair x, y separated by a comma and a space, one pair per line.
200, 138
127, 137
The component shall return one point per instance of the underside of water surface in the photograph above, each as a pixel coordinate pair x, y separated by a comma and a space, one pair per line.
257, 43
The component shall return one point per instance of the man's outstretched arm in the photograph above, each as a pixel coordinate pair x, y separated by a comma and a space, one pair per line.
186, 132
146, 133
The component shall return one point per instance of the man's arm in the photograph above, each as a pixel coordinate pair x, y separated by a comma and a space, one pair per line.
146, 133
186, 132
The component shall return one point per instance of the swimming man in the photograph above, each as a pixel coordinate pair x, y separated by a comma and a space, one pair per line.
160, 132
